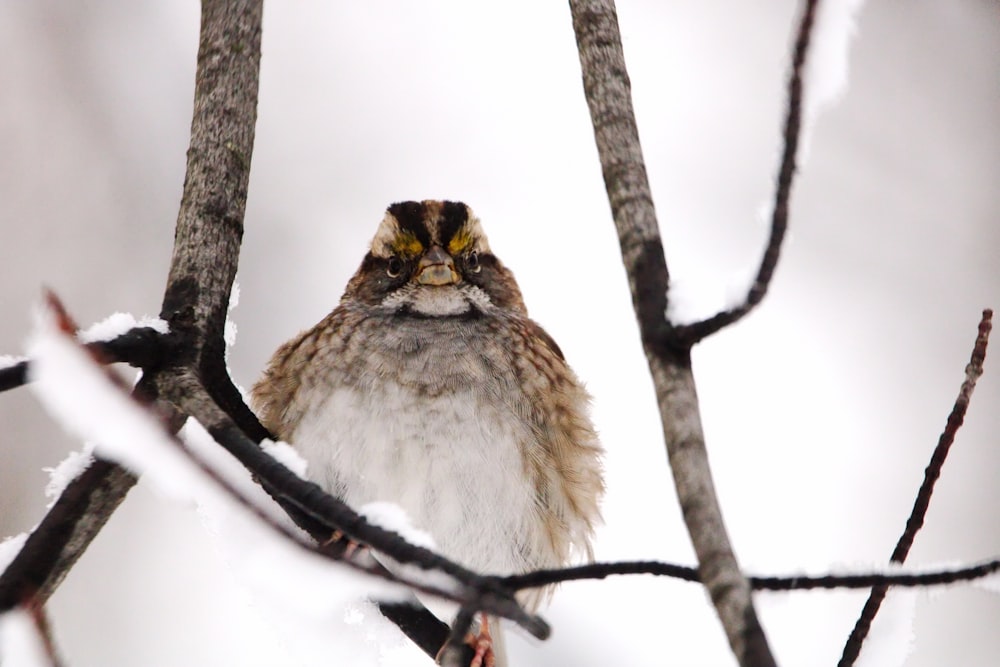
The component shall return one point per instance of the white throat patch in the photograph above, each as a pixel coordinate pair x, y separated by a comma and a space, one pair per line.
441, 301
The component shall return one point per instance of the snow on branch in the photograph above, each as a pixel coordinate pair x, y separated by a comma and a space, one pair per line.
90, 402
120, 338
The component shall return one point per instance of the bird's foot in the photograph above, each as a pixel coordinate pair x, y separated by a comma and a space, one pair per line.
482, 644
348, 545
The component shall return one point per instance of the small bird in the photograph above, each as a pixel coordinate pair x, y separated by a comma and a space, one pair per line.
430, 387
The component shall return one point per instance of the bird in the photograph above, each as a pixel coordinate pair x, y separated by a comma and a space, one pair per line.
429, 386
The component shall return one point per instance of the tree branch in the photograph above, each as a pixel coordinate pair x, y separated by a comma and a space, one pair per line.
695, 332
608, 92
14, 375
540, 578
455, 651
974, 369
52, 549
209, 228
142, 347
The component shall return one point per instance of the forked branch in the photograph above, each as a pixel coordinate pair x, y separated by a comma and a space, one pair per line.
668, 349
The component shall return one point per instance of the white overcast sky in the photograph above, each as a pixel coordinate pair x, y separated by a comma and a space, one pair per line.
821, 409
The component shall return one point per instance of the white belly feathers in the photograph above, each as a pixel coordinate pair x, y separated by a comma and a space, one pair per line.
449, 460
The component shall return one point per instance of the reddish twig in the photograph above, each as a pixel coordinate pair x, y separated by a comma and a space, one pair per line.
689, 334
974, 369
37, 612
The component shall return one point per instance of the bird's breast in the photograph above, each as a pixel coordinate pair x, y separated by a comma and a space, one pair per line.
438, 432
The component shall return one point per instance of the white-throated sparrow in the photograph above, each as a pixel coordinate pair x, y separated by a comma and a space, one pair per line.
430, 387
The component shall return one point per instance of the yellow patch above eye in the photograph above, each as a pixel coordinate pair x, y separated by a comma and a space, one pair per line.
407, 245
460, 242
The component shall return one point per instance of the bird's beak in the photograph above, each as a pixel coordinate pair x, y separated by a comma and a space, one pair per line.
436, 268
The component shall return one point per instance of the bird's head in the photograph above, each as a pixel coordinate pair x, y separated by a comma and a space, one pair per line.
431, 259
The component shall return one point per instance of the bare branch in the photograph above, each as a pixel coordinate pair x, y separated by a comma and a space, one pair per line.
608, 92
695, 332
902, 579
13, 375
974, 369
759, 583
455, 652
424, 628
142, 347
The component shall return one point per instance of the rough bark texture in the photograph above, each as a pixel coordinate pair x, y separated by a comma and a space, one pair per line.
608, 92
210, 221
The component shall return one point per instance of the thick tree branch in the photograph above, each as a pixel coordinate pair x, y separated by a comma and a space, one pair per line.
608, 92
209, 229
974, 369
210, 220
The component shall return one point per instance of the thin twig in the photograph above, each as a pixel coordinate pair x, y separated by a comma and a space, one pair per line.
901, 579
974, 369
141, 347
690, 334
541, 578
37, 612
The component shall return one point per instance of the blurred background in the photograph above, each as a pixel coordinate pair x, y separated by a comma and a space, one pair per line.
821, 409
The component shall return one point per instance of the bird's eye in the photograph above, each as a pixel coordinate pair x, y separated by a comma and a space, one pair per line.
472, 262
395, 267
